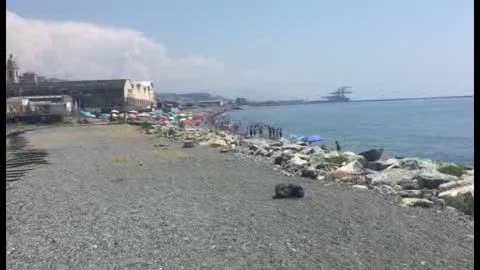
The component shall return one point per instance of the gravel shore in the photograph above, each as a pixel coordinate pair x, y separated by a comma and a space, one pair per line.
109, 199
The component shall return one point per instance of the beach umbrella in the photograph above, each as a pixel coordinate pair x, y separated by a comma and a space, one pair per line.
312, 138
133, 112
115, 111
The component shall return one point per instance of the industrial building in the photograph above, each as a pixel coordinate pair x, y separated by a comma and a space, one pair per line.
92, 95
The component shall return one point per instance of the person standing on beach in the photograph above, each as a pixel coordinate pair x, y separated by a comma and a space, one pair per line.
280, 132
260, 131
338, 146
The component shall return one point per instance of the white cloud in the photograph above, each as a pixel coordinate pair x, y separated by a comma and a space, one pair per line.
75, 50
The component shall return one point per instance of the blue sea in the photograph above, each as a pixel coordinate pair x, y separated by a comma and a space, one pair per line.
437, 129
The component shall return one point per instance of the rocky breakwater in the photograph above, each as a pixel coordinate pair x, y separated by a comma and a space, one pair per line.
416, 182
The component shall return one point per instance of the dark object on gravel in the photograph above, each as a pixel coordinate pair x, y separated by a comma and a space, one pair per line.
188, 144
372, 154
288, 191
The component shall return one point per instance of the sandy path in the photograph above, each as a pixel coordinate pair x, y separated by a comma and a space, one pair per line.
110, 200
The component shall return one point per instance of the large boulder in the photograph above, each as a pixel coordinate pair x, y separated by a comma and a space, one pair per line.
454, 184
460, 195
392, 177
261, 152
377, 165
294, 147
296, 161
218, 143
331, 154
433, 179
295, 164
354, 167
358, 158
415, 193
372, 154
416, 202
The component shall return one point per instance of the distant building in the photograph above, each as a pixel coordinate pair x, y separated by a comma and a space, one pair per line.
208, 103
121, 94
29, 77
91, 94
241, 101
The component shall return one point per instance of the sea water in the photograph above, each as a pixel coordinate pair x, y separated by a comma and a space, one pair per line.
437, 129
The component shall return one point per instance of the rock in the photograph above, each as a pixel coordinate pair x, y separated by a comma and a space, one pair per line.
417, 202
278, 160
372, 154
456, 196
392, 177
409, 184
304, 157
297, 162
410, 193
188, 144
218, 143
224, 150
377, 165
349, 154
331, 154
409, 164
275, 148
360, 187
336, 175
276, 144
307, 151
294, 147
433, 179
270, 154
316, 158
438, 202
261, 152
309, 172
341, 176
415, 193
284, 141
385, 190
429, 193
354, 167
360, 159
454, 184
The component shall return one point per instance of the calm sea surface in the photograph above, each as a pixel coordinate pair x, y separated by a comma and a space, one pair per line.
438, 129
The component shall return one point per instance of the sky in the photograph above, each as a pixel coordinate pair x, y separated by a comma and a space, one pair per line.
254, 49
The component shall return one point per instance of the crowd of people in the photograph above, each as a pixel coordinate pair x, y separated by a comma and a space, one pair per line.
261, 130
251, 130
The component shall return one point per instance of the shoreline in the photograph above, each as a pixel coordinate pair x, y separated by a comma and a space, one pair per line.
418, 182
